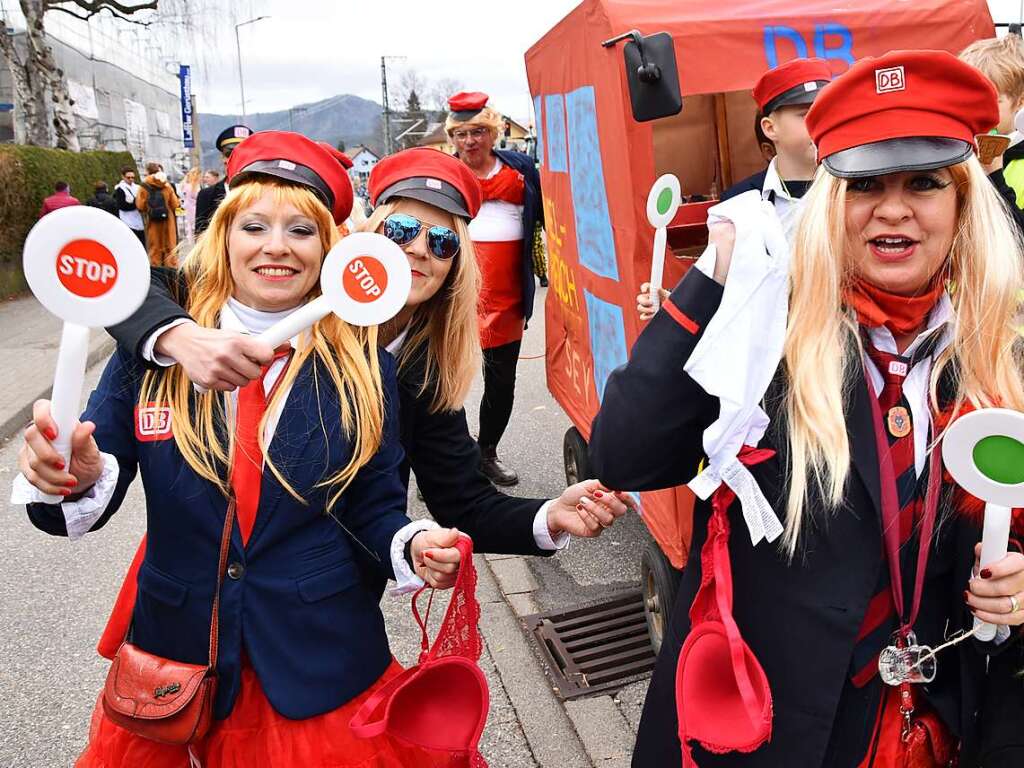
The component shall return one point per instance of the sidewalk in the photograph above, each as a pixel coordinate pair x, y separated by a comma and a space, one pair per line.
29, 337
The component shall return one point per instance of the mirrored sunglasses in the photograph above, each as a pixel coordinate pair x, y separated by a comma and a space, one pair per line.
402, 229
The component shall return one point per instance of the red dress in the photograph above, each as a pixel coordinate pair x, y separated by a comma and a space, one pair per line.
255, 735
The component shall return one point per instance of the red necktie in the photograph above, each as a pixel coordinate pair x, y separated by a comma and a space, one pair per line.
247, 463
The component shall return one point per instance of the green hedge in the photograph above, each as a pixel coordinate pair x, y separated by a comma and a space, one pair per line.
27, 175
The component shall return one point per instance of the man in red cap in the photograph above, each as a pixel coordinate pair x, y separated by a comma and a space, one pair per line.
783, 96
503, 235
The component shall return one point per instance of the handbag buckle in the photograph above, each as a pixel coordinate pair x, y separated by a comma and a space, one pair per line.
166, 690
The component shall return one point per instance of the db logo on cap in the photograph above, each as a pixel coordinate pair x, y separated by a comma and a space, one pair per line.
889, 80
86, 268
152, 422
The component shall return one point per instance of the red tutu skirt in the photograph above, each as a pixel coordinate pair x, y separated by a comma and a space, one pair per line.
254, 735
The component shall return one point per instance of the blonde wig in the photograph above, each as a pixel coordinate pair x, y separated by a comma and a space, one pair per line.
823, 350
348, 355
446, 324
487, 117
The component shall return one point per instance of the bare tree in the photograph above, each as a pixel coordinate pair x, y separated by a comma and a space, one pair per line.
40, 85
436, 96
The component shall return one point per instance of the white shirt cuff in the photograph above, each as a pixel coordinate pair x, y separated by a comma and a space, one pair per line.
542, 534
149, 352
406, 580
80, 515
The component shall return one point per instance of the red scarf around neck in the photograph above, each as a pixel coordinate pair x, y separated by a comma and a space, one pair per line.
507, 185
876, 307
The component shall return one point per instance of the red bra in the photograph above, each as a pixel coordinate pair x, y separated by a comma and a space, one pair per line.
723, 699
440, 703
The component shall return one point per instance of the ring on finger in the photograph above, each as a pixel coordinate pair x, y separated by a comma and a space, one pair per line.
1014, 604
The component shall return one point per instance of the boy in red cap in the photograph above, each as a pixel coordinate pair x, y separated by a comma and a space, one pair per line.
783, 96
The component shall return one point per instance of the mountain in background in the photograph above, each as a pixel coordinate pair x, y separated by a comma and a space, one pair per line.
346, 118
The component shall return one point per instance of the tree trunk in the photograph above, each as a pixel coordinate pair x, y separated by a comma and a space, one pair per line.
29, 93
42, 66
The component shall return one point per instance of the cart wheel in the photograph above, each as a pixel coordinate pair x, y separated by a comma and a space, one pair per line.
574, 453
659, 581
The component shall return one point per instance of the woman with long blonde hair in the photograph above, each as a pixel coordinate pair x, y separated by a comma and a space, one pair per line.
290, 481
904, 308
190, 187
424, 201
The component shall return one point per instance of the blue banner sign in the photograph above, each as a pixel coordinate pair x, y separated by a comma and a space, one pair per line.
185, 76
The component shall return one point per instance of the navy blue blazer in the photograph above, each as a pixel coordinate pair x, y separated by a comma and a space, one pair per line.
301, 607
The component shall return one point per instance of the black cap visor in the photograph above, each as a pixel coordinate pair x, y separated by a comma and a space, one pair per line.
289, 171
466, 115
429, 190
917, 153
796, 96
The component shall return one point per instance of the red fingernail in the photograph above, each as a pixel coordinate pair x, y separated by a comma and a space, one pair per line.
579, 507
71, 483
51, 433
58, 464
598, 494
64, 492
986, 573
428, 555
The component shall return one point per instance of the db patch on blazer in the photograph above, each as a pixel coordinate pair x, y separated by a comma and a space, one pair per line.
152, 422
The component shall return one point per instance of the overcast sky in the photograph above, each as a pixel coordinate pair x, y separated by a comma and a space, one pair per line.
313, 49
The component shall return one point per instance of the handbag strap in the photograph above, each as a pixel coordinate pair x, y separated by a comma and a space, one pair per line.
225, 542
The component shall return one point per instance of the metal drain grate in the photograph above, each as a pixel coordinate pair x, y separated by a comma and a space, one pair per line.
594, 649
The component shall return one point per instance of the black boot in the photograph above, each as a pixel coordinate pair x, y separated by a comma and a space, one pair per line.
494, 469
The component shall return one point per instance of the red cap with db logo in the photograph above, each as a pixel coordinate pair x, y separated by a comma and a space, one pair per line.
904, 111
293, 157
796, 82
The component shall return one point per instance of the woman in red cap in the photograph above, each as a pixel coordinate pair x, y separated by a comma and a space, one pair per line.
281, 506
904, 302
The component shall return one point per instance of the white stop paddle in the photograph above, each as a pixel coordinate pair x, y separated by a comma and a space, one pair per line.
662, 203
984, 452
89, 269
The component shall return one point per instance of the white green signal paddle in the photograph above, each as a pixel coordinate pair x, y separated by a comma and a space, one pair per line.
662, 203
984, 452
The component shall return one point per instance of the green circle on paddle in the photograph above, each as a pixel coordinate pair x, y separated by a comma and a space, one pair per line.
664, 201
1000, 458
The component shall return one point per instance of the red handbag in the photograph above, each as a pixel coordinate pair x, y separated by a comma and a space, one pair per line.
162, 699
441, 703
723, 700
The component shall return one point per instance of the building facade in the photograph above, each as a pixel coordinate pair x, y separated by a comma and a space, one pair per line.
123, 84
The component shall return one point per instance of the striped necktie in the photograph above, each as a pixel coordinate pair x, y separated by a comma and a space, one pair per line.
880, 619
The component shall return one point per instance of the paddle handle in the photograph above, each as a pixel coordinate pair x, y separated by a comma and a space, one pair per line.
296, 322
658, 266
67, 390
995, 538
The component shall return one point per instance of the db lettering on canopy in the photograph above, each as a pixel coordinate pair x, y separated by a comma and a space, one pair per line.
86, 268
365, 279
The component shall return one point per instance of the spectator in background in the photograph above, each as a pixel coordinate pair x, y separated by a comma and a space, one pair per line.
503, 236
157, 202
210, 197
190, 189
102, 199
210, 178
1002, 62
125, 193
61, 198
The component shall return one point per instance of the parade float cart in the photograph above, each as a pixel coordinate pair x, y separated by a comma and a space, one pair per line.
615, 111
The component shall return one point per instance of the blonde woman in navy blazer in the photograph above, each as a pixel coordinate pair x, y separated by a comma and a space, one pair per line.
302, 638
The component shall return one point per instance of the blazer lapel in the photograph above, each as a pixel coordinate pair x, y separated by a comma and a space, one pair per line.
863, 446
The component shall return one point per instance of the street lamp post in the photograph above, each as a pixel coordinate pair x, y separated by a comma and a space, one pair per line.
238, 47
